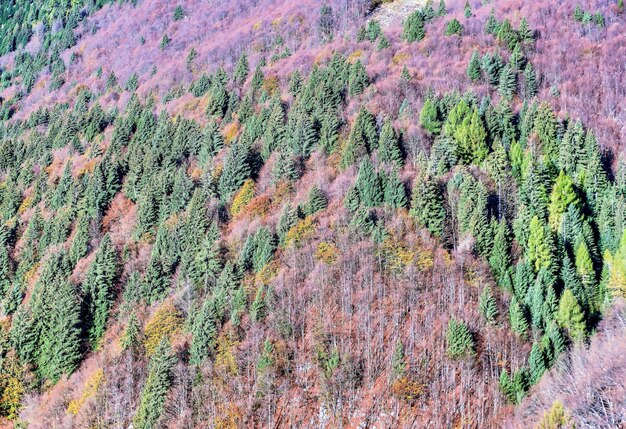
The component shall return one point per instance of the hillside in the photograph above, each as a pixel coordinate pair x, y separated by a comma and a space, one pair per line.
276, 213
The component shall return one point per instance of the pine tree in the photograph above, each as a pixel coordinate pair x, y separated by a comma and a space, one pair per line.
316, 201
507, 83
429, 117
156, 387
460, 340
59, 352
536, 363
427, 205
98, 290
467, 9
517, 318
130, 339
236, 171
530, 81
526, 34
492, 25
563, 194
540, 245
441, 10
368, 184
241, 69
471, 138
394, 191
204, 331
488, 306
414, 27
571, 317
389, 146
474, 68
363, 138
358, 79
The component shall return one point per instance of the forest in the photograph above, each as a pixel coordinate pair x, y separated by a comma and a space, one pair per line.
268, 213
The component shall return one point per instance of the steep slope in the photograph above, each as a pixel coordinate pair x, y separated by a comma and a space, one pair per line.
273, 213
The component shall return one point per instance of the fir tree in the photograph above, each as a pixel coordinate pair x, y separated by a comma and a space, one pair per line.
526, 34
459, 339
536, 363
130, 339
571, 317
389, 146
60, 341
236, 171
241, 69
474, 68
414, 27
427, 205
156, 387
362, 139
441, 10
467, 9
358, 79
316, 201
530, 81
204, 331
368, 184
394, 191
487, 306
507, 83
454, 27
491, 26
517, 318
287, 220
429, 117
98, 290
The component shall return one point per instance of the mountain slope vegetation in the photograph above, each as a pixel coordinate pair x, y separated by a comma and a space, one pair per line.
270, 213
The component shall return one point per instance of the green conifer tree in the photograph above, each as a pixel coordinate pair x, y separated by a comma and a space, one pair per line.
156, 387
98, 290
488, 306
474, 68
369, 185
316, 201
394, 191
459, 339
389, 145
204, 331
517, 318
429, 117
427, 205
571, 317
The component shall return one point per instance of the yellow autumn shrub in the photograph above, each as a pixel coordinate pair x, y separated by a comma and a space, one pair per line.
92, 385
165, 322
243, 197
